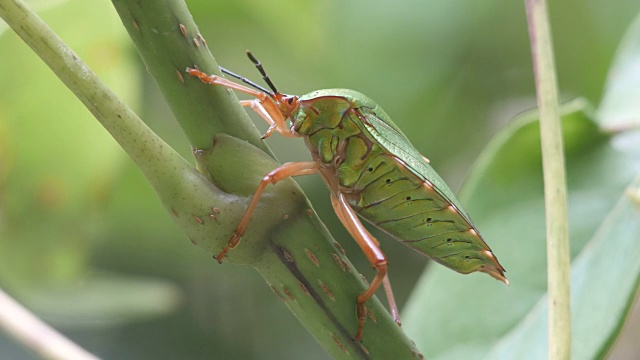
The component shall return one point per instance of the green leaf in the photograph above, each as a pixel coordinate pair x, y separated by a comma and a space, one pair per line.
620, 106
604, 281
104, 300
453, 317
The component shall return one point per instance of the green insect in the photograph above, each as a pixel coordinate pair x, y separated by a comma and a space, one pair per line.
373, 172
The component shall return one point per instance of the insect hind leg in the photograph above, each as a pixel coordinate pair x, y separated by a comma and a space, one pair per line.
376, 257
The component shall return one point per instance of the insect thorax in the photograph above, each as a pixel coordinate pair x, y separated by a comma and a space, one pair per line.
337, 137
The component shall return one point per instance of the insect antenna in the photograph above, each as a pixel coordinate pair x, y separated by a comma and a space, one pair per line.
246, 81
261, 69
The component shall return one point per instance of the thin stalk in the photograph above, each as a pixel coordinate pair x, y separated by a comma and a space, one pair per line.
558, 258
38, 336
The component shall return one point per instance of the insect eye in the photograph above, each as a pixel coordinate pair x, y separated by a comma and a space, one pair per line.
290, 100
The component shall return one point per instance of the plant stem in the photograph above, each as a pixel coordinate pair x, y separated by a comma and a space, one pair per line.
288, 244
558, 257
38, 336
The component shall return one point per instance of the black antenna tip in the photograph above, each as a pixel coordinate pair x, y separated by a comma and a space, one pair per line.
258, 65
252, 58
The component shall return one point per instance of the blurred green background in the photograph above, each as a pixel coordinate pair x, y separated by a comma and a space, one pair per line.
85, 243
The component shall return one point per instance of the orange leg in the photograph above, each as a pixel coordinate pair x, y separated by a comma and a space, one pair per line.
371, 249
283, 172
256, 106
395, 314
263, 104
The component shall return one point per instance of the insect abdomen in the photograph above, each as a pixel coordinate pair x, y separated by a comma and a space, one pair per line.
410, 210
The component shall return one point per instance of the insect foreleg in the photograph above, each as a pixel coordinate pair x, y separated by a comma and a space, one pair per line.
276, 123
283, 172
371, 249
217, 80
263, 105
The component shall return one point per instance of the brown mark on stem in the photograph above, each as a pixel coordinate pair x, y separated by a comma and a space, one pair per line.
287, 255
319, 300
364, 348
339, 261
326, 290
313, 258
278, 294
304, 289
339, 343
202, 40
289, 295
337, 244
364, 279
371, 316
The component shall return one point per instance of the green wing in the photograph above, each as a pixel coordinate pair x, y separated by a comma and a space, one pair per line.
390, 137
470, 253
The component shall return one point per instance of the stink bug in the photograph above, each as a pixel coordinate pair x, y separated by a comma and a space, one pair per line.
373, 172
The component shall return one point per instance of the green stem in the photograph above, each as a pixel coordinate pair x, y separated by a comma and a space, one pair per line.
169, 41
124, 125
558, 256
286, 243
